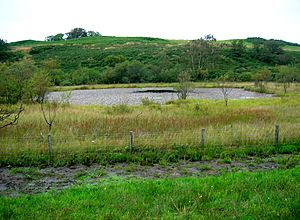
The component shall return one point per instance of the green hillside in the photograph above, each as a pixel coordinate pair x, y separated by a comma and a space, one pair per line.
107, 59
96, 41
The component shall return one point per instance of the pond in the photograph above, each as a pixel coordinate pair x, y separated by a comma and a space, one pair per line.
134, 96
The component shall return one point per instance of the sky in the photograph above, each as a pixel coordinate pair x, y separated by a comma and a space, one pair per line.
169, 19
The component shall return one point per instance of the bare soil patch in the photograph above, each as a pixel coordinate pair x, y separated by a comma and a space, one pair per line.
31, 180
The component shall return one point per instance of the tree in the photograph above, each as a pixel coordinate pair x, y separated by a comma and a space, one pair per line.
261, 78
49, 110
52, 68
57, 37
238, 47
76, 33
9, 115
14, 80
287, 75
185, 86
85, 75
4, 50
112, 60
117, 74
125, 72
163, 60
273, 47
38, 86
270, 51
3, 45
210, 37
49, 38
93, 34
224, 87
135, 72
203, 55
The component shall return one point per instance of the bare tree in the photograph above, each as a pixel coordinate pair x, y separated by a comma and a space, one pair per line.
9, 115
50, 106
185, 85
49, 110
225, 88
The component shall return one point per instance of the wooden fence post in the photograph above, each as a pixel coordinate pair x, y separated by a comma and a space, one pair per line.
130, 140
202, 136
276, 135
50, 149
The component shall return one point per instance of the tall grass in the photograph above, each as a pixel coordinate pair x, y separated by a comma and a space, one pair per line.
79, 128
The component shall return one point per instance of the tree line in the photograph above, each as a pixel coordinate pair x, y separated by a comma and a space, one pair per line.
203, 58
75, 33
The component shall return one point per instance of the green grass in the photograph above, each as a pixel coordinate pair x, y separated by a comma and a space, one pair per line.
145, 85
144, 156
262, 195
104, 40
111, 40
292, 48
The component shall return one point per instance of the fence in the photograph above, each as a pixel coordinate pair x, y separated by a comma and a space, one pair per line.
228, 136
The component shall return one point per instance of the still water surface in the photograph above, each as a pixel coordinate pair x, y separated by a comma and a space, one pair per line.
133, 96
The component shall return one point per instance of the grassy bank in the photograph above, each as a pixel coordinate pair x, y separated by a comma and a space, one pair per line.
143, 156
145, 85
271, 195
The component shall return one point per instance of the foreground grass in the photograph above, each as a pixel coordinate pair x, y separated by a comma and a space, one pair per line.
262, 195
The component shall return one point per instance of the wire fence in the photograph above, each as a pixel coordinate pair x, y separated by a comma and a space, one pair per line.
228, 136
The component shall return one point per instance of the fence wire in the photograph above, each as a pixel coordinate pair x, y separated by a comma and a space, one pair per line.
229, 136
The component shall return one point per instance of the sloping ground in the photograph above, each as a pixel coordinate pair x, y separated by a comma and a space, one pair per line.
100, 41
112, 40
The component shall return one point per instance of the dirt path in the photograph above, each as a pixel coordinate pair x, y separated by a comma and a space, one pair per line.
30, 180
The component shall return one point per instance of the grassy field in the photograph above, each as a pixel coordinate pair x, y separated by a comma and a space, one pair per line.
239, 135
86, 134
261, 195
163, 134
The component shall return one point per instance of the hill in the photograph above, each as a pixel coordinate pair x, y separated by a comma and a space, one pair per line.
108, 59
99, 41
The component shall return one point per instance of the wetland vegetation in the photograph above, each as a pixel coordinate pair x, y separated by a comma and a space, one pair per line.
238, 171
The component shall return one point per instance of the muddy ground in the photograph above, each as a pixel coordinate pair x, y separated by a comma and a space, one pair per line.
15, 181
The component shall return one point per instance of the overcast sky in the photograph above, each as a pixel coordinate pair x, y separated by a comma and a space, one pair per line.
170, 19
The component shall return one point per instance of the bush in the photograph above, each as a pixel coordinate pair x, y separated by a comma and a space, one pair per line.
146, 101
119, 109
